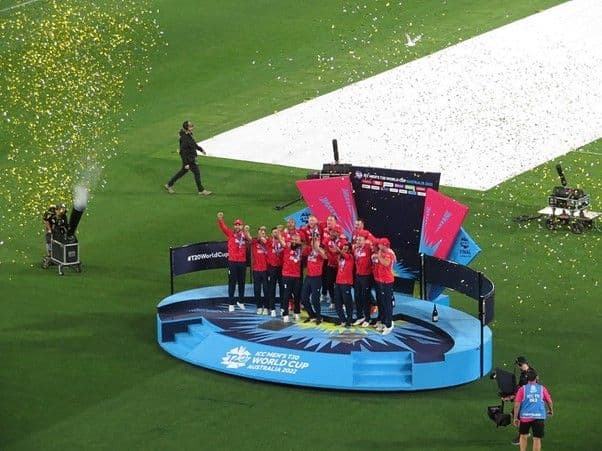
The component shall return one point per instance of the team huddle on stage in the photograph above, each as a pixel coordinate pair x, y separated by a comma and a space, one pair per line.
333, 267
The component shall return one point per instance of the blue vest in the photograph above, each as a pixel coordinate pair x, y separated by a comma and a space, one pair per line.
533, 405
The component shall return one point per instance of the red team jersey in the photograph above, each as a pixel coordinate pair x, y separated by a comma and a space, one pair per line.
291, 261
382, 273
237, 243
332, 256
287, 234
315, 262
326, 232
259, 253
363, 260
345, 269
368, 236
274, 252
307, 232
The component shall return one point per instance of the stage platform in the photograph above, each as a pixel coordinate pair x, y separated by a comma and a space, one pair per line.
195, 326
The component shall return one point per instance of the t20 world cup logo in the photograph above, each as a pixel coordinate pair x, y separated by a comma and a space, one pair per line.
236, 358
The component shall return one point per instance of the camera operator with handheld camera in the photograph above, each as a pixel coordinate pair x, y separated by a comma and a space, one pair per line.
508, 387
523, 365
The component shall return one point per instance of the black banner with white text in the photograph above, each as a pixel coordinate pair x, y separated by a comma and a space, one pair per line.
198, 257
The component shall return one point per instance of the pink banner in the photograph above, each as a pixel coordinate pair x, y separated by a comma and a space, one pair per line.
441, 222
331, 196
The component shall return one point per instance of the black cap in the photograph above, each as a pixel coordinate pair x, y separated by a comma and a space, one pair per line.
520, 360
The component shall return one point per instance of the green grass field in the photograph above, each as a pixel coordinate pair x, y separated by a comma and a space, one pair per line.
81, 367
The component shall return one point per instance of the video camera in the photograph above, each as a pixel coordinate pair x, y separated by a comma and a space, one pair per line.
506, 383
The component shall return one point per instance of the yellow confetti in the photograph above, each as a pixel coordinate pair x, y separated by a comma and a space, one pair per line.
64, 68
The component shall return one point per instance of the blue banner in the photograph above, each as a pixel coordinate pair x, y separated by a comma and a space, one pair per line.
464, 249
300, 217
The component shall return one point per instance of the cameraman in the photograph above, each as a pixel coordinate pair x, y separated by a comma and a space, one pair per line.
523, 365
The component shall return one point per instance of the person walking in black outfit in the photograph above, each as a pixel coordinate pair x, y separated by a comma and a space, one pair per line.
188, 153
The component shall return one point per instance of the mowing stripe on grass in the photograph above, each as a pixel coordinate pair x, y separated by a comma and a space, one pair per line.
479, 112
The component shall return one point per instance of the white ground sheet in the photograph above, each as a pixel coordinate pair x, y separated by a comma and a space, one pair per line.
479, 112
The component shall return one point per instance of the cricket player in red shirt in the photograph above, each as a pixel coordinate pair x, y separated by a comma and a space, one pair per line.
291, 275
290, 230
310, 290
260, 270
360, 228
274, 258
343, 284
332, 261
384, 278
238, 238
329, 274
362, 252
312, 230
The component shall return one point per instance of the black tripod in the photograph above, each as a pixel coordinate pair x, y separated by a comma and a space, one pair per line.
288, 204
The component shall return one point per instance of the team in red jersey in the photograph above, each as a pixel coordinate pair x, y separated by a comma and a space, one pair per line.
332, 265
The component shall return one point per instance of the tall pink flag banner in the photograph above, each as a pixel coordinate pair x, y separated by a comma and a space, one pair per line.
331, 196
441, 222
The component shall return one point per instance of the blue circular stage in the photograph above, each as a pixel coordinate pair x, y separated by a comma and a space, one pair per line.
195, 326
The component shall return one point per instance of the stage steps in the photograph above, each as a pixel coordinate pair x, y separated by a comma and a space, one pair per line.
371, 371
184, 342
199, 330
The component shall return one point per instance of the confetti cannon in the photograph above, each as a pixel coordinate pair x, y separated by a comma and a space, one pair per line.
64, 245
